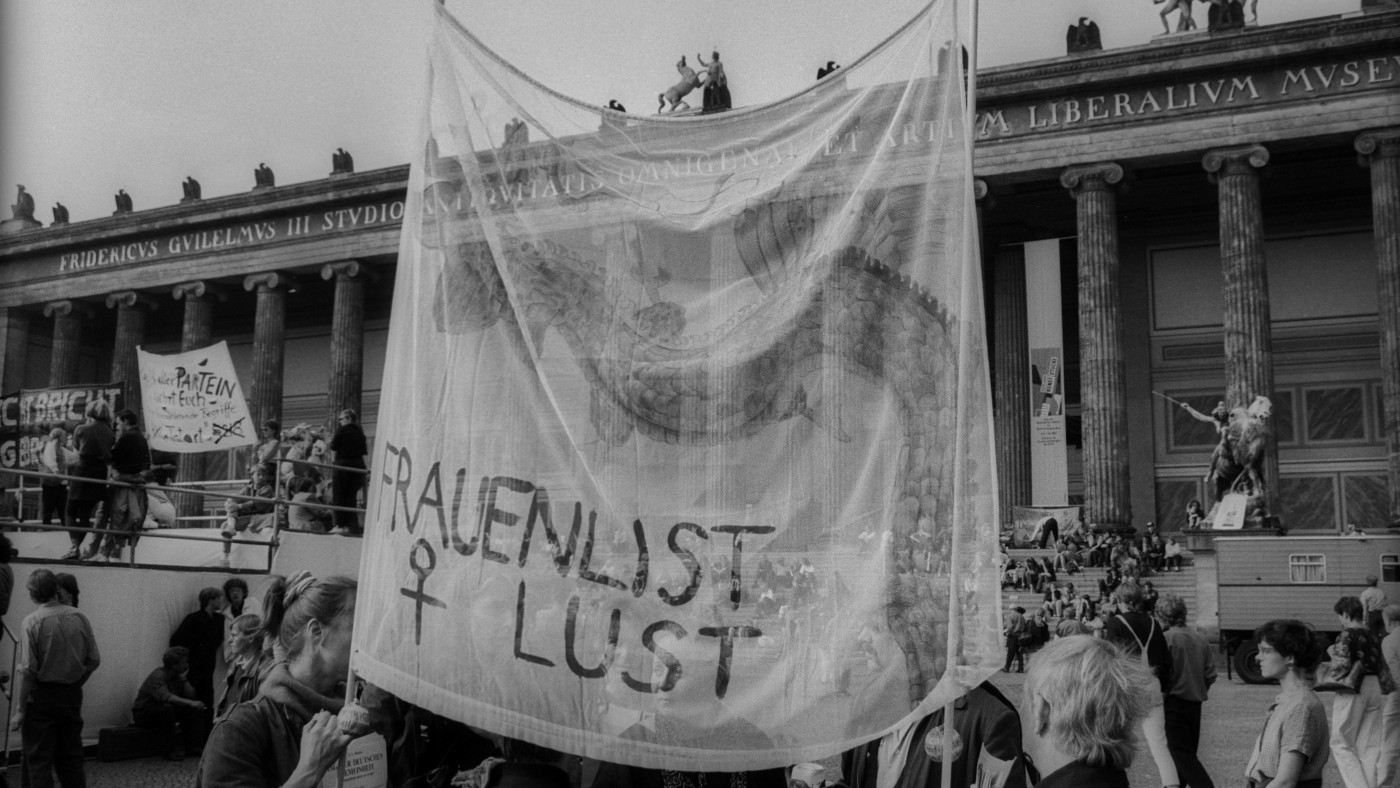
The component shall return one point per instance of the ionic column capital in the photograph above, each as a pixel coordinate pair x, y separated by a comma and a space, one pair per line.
130, 299
979, 189
1238, 160
271, 280
1377, 144
67, 307
347, 269
198, 290
1102, 176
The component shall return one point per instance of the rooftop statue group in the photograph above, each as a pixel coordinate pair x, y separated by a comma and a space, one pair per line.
716, 86
1221, 15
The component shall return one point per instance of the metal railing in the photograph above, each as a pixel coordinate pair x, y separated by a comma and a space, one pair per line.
280, 503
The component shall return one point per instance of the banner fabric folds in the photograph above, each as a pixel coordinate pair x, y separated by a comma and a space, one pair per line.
684, 458
193, 401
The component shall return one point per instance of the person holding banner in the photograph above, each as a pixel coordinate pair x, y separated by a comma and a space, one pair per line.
93, 440
288, 734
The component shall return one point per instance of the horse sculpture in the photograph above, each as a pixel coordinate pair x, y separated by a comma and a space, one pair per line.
675, 94
1239, 459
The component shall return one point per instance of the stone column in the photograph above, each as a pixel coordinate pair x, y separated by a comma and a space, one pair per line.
131, 309
269, 346
67, 340
197, 333
1012, 394
1380, 150
1103, 394
1249, 357
347, 338
15, 344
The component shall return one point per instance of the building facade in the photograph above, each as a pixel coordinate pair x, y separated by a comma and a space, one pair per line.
1223, 212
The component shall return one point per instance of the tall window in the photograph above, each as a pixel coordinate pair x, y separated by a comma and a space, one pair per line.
1307, 568
1390, 568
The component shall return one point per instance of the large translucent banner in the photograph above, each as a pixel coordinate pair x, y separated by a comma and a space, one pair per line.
684, 457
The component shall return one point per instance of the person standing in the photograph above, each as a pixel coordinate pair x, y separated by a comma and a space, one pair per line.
1136, 631
1193, 671
202, 633
236, 603
53, 493
348, 449
93, 440
1015, 626
1292, 749
131, 464
1388, 775
57, 655
1356, 716
1374, 601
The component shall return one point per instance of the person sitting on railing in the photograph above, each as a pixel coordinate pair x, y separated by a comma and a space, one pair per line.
242, 515
54, 458
303, 444
166, 703
300, 516
93, 440
131, 464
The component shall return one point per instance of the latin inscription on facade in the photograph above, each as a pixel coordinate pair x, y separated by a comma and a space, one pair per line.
1226, 92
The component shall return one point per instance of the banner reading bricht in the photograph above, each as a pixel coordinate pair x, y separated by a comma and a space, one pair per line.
41, 410
193, 401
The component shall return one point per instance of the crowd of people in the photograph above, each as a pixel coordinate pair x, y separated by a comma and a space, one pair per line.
101, 476
1089, 699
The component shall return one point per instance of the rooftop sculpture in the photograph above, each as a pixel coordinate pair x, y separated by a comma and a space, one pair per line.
1184, 21
1083, 37
823, 71
123, 203
60, 213
342, 163
263, 177
614, 104
676, 94
191, 188
24, 205
716, 96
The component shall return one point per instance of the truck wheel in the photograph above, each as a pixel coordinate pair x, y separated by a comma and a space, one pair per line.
1246, 666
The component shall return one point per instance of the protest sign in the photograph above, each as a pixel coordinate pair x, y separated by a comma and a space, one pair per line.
41, 410
646, 388
193, 401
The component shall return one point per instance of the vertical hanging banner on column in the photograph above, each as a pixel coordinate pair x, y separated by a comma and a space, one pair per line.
684, 458
193, 401
1045, 334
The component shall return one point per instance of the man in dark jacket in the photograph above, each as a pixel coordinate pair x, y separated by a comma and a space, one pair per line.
202, 632
984, 721
126, 506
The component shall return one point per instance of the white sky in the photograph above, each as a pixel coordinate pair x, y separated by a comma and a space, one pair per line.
100, 96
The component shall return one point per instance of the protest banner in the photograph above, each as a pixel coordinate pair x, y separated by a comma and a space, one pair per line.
9, 430
645, 389
193, 401
41, 410
1031, 523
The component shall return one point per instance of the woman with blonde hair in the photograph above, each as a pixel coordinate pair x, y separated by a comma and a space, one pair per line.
288, 735
1083, 701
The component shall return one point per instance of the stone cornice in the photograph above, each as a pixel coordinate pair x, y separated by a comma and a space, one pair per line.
212, 210
1332, 36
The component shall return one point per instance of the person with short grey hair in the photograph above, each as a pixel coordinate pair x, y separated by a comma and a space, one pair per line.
1373, 601
1083, 701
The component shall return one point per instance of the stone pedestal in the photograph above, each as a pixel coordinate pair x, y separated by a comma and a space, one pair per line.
18, 225
67, 340
1249, 358
131, 333
1011, 378
347, 339
1103, 395
1380, 151
269, 346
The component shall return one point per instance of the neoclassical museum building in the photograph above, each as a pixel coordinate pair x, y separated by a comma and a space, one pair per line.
1209, 216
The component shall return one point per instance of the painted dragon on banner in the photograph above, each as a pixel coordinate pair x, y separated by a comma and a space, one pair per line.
886, 329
